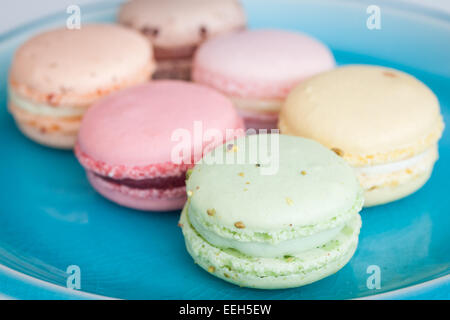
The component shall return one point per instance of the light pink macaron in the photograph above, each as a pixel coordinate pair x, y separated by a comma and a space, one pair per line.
258, 68
137, 145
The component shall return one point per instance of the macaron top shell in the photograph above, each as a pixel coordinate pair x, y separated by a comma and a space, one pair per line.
312, 190
141, 126
76, 66
178, 23
260, 63
372, 114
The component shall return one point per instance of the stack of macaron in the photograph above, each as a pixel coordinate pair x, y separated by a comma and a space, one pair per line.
258, 210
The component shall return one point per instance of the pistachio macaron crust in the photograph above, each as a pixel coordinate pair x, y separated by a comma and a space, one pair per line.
384, 122
177, 27
272, 229
57, 75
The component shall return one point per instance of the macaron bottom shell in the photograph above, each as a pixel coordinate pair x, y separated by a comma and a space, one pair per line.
54, 140
389, 193
55, 132
272, 273
166, 200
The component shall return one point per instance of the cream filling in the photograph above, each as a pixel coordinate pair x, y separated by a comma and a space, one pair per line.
399, 172
42, 108
290, 247
257, 105
424, 158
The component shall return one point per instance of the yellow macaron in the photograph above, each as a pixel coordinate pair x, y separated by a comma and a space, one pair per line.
384, 122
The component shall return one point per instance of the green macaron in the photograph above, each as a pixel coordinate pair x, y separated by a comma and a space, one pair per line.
272, 211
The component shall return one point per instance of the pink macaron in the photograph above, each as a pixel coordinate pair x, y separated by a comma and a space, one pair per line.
137, 145
256, 69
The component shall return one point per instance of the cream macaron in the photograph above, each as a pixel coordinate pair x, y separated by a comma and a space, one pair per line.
384, 122
57, 75
177, 27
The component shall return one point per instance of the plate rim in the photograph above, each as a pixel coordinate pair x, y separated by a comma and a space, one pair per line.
434, 284
44, 287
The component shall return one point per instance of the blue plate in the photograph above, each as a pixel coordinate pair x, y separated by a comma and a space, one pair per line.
51, 218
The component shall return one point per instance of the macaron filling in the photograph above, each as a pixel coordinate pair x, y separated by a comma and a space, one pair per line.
153, 183
278, 236
267, 250
269, 245
142, 199
424, 158
43, 108
399, 172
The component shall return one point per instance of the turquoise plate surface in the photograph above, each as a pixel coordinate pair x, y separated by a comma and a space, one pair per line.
51, 218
